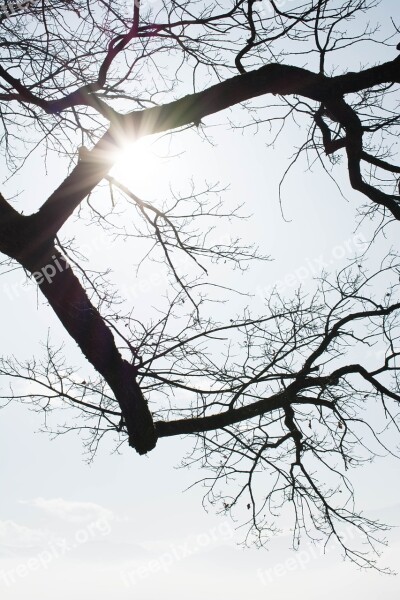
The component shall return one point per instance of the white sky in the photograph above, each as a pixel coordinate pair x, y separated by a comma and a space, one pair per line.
123, 526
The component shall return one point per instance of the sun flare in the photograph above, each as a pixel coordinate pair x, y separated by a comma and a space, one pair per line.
140, 165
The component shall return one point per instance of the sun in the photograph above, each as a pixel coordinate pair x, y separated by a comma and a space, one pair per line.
141, 165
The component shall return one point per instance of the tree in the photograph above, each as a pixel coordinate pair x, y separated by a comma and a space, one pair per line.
282, 391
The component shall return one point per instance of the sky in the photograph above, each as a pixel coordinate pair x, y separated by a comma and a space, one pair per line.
128, 526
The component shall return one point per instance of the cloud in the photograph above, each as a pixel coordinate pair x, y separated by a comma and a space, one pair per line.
72, 512
18, 536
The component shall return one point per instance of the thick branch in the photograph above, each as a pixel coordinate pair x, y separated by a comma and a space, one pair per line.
266, 405
84, 323
272, 78
80, 182
342, 113
81, 320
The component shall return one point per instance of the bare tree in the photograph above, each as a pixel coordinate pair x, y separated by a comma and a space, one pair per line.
283, 392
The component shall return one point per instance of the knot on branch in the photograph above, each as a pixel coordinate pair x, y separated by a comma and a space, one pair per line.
295, 432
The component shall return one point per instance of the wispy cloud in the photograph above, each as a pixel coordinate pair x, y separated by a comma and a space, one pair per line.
70, 511
13, 535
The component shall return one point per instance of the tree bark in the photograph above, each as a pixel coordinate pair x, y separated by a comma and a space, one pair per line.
80, 318
85, 325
